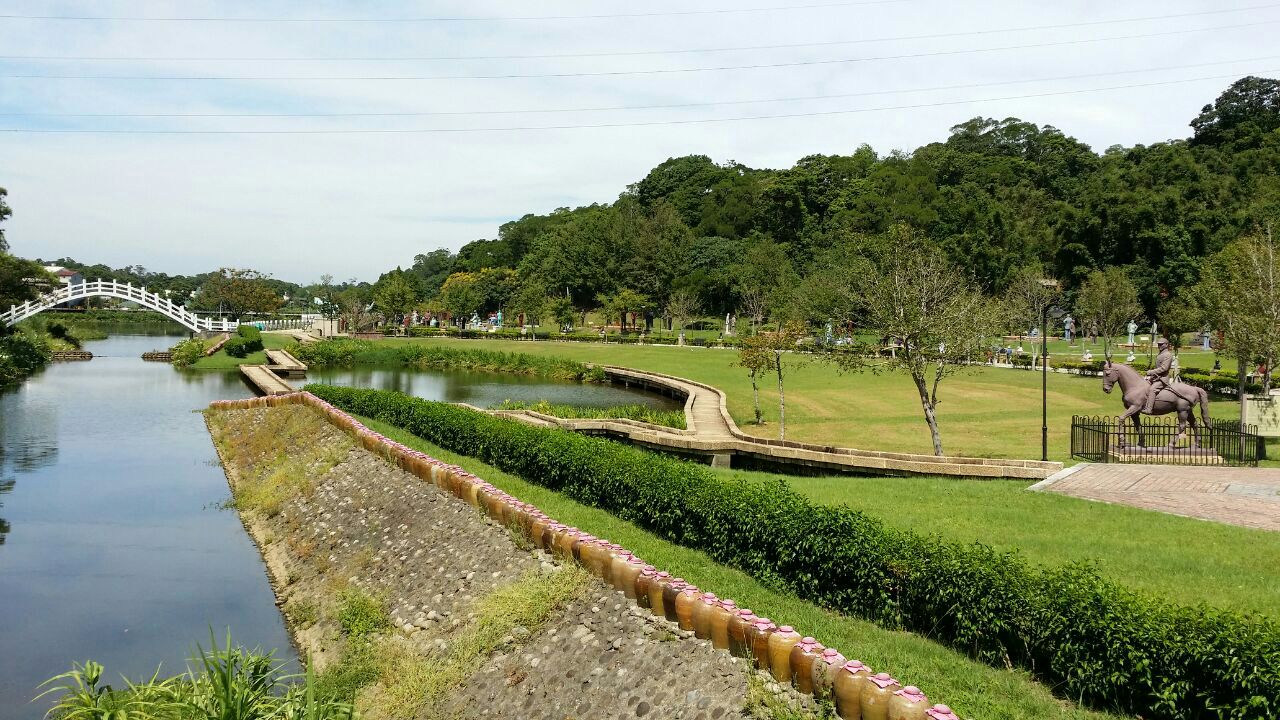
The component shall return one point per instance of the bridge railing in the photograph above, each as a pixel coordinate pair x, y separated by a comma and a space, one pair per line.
121, 291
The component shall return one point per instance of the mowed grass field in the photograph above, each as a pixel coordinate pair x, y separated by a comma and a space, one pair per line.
1182, 559
983, 411
222, 361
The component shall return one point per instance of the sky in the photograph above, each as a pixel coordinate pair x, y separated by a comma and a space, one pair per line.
344, 138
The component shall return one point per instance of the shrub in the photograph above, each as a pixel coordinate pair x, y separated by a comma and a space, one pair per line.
249, 332
429, 356
1090, 638
360, 614
187, 352
21, 355
237, 347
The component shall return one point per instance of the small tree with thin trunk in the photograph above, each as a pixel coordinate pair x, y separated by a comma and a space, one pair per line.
1028, 299
1108, 300
933, 308
680, 307
754, 355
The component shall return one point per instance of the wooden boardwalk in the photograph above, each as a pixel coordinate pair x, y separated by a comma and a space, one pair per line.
1248, 497
264, 380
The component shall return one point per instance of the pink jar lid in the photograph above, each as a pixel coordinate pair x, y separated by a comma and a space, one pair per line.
882, 680
662, 574
710, 599
689, 588
941, 712
650, 567
786, 629
743, 612
763, 624
855, 666
807, 640
680, 581
728, 605
832, 656
911, 693
648, 572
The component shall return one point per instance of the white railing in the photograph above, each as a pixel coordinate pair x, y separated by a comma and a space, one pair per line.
120, 291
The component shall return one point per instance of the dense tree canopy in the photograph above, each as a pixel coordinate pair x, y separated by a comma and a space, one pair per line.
997, 196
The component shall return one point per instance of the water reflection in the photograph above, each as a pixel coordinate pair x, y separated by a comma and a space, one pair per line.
488, 389
114, 548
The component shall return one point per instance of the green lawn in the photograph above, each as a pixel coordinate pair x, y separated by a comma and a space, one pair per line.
222, 361
983, 412
1183, 559
974, 689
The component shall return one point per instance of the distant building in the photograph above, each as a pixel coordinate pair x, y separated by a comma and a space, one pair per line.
67, 277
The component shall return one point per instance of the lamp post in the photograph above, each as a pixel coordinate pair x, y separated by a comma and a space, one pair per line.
1056, 313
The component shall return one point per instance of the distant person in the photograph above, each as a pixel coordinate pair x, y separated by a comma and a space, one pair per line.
1068, 327
1133, 328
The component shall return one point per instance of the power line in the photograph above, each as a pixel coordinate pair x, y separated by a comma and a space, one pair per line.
614, 108
650, 123
617, 73
599, 16
637, 53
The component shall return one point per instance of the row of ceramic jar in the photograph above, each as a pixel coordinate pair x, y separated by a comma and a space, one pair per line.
857, 691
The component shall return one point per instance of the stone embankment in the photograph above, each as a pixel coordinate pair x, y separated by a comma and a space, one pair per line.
349, 511
71, 355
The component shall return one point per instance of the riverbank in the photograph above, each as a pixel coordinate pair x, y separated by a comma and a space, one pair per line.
410, 603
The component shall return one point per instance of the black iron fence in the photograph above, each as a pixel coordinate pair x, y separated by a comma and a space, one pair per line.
1156, 440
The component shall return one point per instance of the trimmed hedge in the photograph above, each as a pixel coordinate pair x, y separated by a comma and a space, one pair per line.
1091, 639
248, 339
430, 356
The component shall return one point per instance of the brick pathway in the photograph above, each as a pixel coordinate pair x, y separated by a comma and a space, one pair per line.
1249, 497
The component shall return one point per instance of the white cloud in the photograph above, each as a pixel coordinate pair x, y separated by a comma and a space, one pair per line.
301, 205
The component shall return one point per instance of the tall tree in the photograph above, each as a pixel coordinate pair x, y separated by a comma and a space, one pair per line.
1240, 293
5, 212
395, 294
237, 293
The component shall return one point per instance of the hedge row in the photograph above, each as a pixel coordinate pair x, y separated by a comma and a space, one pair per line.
1091, 639
431, 356
248, 339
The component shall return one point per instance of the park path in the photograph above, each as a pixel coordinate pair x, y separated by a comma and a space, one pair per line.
1248, 497
711, 433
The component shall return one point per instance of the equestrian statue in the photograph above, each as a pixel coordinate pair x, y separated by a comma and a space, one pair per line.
1154, 394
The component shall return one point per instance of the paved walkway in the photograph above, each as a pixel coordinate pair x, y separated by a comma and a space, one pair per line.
1248, 497
712, 433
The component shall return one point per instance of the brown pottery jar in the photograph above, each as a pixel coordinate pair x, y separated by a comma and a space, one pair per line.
847, 688
720, 614
702, 616
780, 645
758, 638
803, 656
824, 671
738, 624
656, 587
908, 704
688, 598
876, 695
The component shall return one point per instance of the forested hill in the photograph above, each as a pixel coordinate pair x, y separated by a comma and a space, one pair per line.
997, 195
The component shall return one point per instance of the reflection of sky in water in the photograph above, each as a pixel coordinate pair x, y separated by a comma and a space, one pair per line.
115, 549
488, 389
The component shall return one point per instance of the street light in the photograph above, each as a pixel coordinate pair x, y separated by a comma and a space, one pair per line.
1056, 314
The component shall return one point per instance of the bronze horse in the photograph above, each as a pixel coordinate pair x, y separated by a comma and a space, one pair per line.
1171, 399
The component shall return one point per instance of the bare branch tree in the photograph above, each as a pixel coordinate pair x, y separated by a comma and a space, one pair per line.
1108, 300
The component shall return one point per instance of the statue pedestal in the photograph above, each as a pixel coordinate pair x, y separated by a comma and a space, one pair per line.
1159, 455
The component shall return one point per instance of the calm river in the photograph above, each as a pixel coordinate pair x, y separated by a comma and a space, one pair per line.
113, 543
115, 548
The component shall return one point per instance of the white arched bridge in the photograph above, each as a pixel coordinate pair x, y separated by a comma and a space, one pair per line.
120, 291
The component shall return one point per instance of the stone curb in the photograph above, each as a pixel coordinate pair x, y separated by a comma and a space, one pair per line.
512, 513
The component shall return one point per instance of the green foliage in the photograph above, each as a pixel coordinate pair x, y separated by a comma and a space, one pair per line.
21, 354
222, 683
238, 292
1090, 638
642, 413
188, 352
248, 339
360, 614
249, 332
427, 356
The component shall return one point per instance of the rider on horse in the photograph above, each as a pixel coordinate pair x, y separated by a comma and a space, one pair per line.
1158, 375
